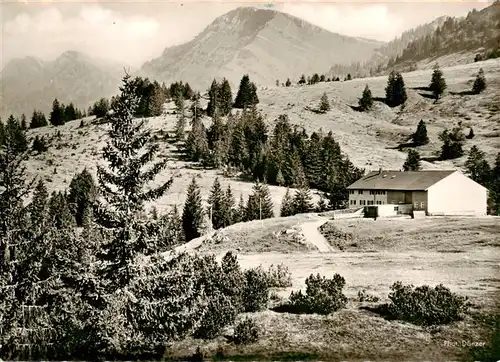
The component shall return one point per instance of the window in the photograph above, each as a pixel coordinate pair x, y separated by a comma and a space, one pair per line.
351, 192
372, 192
370, 202
360, 192
422, 205
362, 202
396, 208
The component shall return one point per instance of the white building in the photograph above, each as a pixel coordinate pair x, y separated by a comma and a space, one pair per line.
435, 192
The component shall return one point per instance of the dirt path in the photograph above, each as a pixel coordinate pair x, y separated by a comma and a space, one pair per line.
312, 235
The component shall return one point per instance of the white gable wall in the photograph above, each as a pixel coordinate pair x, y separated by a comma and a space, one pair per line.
456, 194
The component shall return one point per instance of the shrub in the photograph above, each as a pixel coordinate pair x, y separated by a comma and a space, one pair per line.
256, 292
246, 332
323, 296
279, 276
39, 144
426, 306
219, 313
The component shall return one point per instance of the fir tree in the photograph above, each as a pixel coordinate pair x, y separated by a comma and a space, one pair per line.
395, 92
470, 135
302, 200
280, 179
101, 107
23, 123
420, 136
39, 144
18, 135
452, 144
412, 162
180, 125
217, 206
82, 194
197, 142
247, 93
366, 101
240, 212
60, 215
287, 206
324, 105
495, 186
225, 98
477, 167
349, 77
213, 98
322, 205
260, 205
438, 84
38, 120
70, 113
2, 132
130, 148
192, 215
302, 79
480, 82
288, 83
196, 110
57, 114
39, 208
229, 216
158, 98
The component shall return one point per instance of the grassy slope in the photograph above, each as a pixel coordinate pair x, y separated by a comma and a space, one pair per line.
461, 253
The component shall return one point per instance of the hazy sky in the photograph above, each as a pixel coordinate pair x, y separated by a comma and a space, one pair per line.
132, 32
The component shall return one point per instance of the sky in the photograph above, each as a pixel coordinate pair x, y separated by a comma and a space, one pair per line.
132, 32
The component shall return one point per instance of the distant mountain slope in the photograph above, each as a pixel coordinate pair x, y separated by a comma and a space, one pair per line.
387, 52
31, 83
479, 32
266, 44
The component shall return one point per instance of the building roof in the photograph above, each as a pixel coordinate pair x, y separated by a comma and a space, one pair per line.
399, 180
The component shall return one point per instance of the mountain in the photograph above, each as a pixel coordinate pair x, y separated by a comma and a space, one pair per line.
452, 40
266, 44
475, 33
31, 83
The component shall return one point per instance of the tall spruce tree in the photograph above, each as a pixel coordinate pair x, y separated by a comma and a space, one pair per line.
38, 119
180, 125
82, 195
247, 94
438, 83
122, 186
60, 215
70, 113
39, 207
225, 98
495, 186
366, 100
260, 205
192, 215
57, 114
395, 92
412, 162
13, 127
229, 201
23, 123
287, 206
477, 167
479, 83
213, 98
420, 137
217, 206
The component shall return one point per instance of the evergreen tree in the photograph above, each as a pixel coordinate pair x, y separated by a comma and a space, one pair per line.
39, 208
247, 93
101, 107
213, 98
188, 92
420, 136
192, 215
18, 135
2, 132
171, 232
349, 77
229, 217
395, 92
57, 114
412, 162
477, 167
322, 206
82, 194
495, 186
280, 179
366, 101
158, 99
480, 82
287, 205
225, 98
322, 78
452, 144
39, 144
196, 110
324, 105
60, 215
302, 200
302, 79
122, 185
70, 113
438, 84
288, 83
23, 124
38, 119
180, 125
260, 205
197, 142
217, 205
315, 78
240, 214
470, 135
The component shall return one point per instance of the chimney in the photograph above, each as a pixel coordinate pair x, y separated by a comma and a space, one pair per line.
380, 170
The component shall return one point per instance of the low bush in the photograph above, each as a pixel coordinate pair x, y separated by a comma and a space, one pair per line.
323, 296
219, 313
426, 306
256, 291
246, 332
